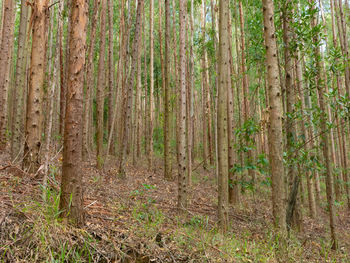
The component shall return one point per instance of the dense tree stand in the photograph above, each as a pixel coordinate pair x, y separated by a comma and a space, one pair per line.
174, 131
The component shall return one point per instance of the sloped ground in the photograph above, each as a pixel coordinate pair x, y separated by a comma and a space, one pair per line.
135, 220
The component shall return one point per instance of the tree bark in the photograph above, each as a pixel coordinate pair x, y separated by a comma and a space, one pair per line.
53, 82
111, 98
167, 157
89, 82
130, 86
305, 132
100, 91
182, 182
71, 201
151, 89
20, 83
5, 62
33, 130
64, 73
223, 87
245, 87
119, 80
275, 119
324, 136
233, 182
293, 211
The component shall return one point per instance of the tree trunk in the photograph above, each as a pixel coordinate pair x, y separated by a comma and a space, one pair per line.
71, 201
151, 89
233, 182
305, 132
189, 64
138, 122
33, 130
324, 136
119, 80
167, 157
223, 87
292, 176
275, 119
64, 74
182, 182
347, 90
100, 91
245, 87
111, 98
5, 62
20, 83
205, 84
130, 86
53, 81
89, 82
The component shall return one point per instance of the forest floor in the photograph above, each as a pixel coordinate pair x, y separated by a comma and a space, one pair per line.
135, 220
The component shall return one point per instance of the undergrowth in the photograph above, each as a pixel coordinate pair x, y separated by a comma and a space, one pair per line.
141, 231
198, 238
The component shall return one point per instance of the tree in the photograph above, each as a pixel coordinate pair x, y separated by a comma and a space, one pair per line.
101, 86
293, 178
182, 181
89, 79
275, 118
222, 137
151, 89
111, 98
20, 81
167, 162
245, 86
323, 125
207, 133
5, 60
71, 201
33, 128
129, 93
53, 83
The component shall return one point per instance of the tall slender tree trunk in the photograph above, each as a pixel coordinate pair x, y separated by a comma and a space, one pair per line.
324, 136
342, 31
89, 82
341, 129
176, 81
71, 201
111, 98
130, 86
20, 81
189, 43
205, 84
53, 82
305, 132
5, 62
239, 90
100, 91
233, 182
223, 87
33, 130
214, 27
293, 211
275, 136
151, 88
64, 73
138, 102
119, 80
182, 172
245, 85
167, 157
